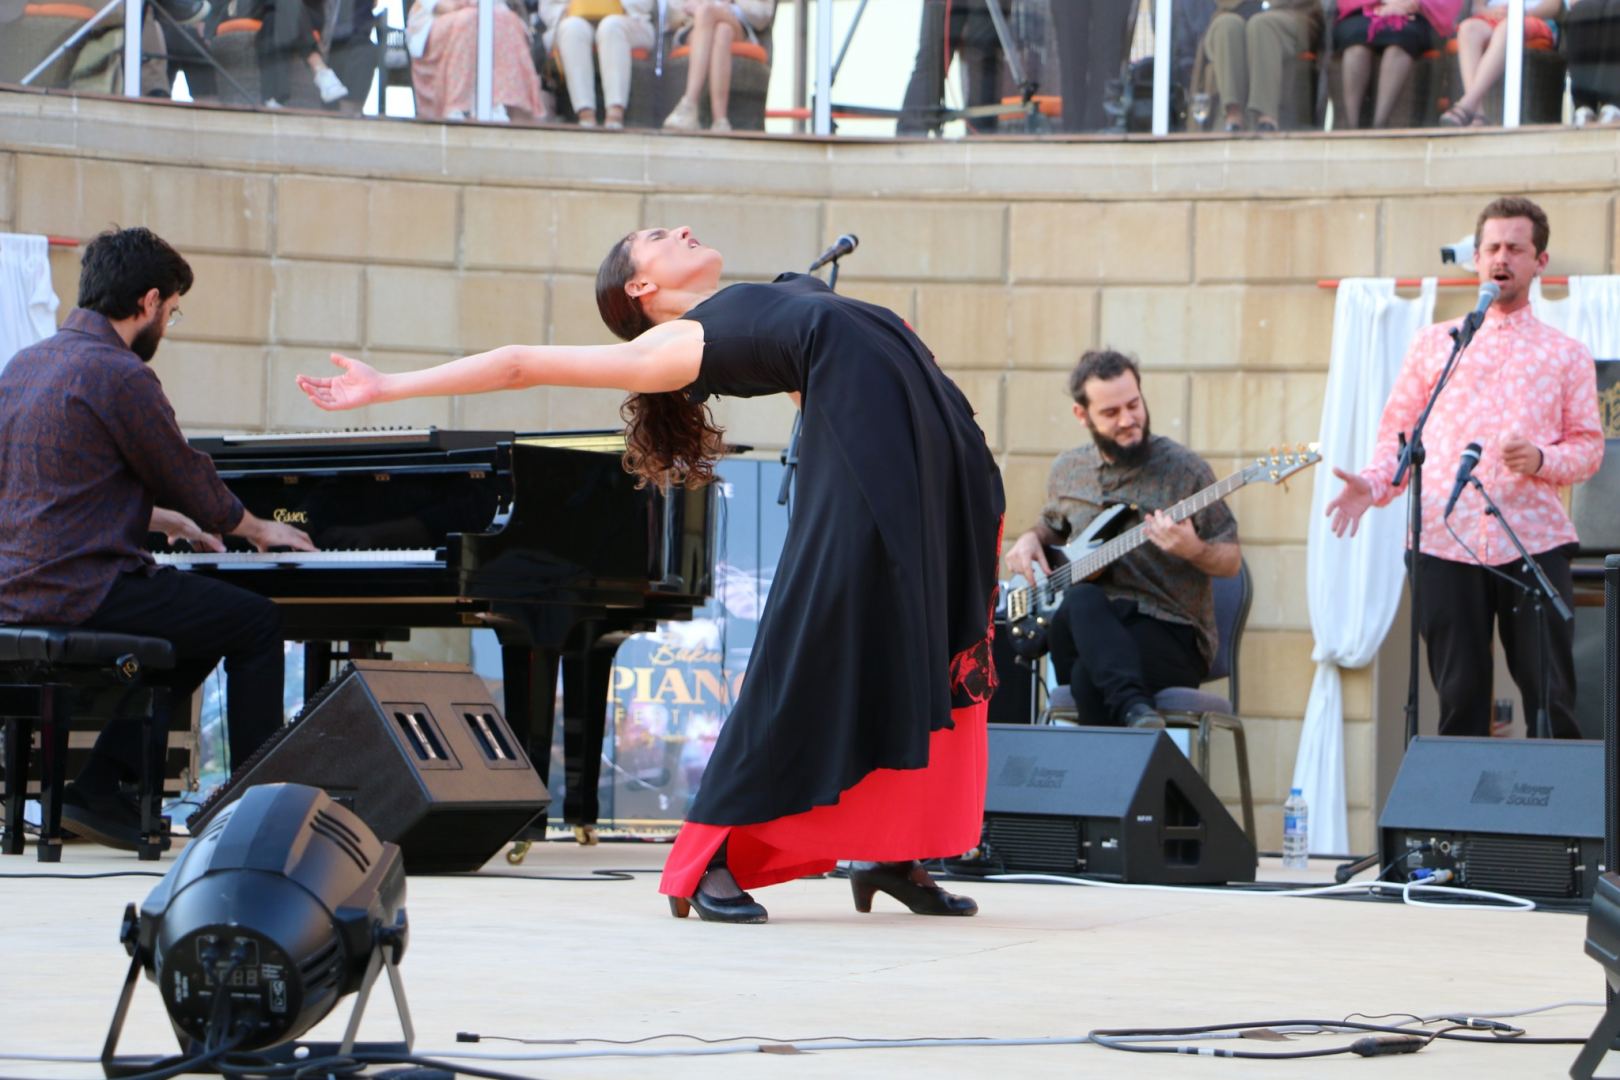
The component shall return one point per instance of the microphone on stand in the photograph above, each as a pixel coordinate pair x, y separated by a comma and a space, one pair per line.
841, 247
1465, 469
1488, 292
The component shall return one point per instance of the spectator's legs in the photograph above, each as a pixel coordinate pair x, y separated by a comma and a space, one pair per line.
1275, 40
616, 36
1393, 68
1226, 44
725, 32
1482, 53
1355, 71
516, 82
919, 108
575, 45
1587, 33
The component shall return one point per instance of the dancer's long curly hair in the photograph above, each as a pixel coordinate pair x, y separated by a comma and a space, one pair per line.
668, 440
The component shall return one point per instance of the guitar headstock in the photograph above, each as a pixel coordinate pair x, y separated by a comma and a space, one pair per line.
1278, 465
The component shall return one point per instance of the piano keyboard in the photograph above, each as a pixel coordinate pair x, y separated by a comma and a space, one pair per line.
392, 557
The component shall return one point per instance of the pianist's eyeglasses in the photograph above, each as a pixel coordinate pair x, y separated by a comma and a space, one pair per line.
174, 317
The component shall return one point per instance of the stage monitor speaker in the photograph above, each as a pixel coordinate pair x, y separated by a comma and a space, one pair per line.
1518, 816
417, 751
1117, 803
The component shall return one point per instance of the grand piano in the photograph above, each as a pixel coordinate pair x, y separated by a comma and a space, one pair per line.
543, 538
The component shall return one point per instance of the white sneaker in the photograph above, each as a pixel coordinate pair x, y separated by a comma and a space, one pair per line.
499, 115
721, 125
1609, 114
330, 86
271, 103
455, 114
1584, 115
684, 117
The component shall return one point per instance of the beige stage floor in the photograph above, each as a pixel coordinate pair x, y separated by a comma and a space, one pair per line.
565, 960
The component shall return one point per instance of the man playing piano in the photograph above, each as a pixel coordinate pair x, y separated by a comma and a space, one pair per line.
89, 451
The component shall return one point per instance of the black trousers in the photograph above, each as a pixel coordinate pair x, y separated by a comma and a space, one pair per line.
206, 621
1461, 602
1091, 50
1114, 656
1592, 35
971, 34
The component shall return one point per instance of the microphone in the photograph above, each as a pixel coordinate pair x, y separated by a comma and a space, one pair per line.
841, 247
1465, 469
1488, 292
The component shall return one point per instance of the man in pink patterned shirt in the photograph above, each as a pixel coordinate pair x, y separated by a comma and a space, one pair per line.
1528, 395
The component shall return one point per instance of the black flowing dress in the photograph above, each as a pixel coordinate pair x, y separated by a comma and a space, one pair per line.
858, 732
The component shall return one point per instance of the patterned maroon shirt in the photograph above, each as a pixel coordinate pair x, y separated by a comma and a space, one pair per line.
88, 442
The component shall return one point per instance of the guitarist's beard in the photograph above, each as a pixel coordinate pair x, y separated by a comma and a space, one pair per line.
1127, 456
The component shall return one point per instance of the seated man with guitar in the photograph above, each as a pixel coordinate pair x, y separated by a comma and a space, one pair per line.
1147, 621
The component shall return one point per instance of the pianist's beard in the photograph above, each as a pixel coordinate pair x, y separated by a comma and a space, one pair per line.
145, 342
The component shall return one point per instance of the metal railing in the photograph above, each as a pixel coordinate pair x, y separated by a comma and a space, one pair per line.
812, 93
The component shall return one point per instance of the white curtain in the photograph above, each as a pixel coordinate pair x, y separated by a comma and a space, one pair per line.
1590, 314
1353, 585
27, 302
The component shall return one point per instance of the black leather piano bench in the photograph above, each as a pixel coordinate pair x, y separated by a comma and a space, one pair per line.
43, 671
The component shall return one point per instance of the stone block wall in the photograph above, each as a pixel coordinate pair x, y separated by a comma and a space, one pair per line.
406, 243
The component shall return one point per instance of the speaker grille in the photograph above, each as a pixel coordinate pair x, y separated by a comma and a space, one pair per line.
1035, 843
1534, 865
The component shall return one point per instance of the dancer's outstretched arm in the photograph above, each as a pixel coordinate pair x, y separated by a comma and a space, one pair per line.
665, 358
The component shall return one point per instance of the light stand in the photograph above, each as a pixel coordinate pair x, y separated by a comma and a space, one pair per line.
285, 903
1543, 725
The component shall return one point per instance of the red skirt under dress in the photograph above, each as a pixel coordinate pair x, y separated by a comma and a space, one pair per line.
890, 815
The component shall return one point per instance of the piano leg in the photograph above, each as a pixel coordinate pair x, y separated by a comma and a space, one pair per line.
317, 666
530, 676
585, 691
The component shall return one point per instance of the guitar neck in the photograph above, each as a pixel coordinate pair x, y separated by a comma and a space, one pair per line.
1131, 539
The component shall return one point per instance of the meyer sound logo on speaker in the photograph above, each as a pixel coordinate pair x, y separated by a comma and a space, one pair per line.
1503, 788
1024, 772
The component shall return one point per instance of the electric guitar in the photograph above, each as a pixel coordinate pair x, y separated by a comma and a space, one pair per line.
1027, 606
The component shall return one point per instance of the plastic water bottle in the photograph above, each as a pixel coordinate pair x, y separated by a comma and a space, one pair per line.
1296, 831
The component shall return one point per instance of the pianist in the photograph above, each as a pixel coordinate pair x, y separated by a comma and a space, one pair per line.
89, 451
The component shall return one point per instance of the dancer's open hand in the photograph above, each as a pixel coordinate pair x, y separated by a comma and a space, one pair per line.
360, 384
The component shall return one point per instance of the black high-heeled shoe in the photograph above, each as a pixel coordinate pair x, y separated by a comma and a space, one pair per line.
908, 883
741, 908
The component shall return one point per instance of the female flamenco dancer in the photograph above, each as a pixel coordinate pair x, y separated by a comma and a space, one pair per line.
859, 730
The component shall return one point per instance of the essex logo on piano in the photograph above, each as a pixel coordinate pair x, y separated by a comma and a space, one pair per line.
291, 517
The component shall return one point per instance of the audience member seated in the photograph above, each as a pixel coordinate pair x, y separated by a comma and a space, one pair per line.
354, 50
1482, 51
1254, 49
1395, 32
287, 37
971, 37
91, 459
1592, 41
442, 36
579, 31
710, 27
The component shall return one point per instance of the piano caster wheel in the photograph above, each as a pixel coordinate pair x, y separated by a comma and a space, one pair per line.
585, 835
519, 849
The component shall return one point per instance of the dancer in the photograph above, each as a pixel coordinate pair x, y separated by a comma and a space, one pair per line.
859, 730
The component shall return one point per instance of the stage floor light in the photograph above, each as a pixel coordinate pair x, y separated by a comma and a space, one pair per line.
283, 905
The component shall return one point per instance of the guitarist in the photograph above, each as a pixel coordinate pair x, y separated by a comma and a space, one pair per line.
1147, 622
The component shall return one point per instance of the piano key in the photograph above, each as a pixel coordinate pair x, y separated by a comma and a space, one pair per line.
417, 557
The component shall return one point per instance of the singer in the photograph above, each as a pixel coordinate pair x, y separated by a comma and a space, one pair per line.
859, 731
1527, 396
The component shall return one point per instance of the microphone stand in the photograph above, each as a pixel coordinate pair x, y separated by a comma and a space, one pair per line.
1412, 456
790, 453
1543, 726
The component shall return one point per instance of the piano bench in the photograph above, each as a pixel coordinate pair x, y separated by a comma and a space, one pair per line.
42, 671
